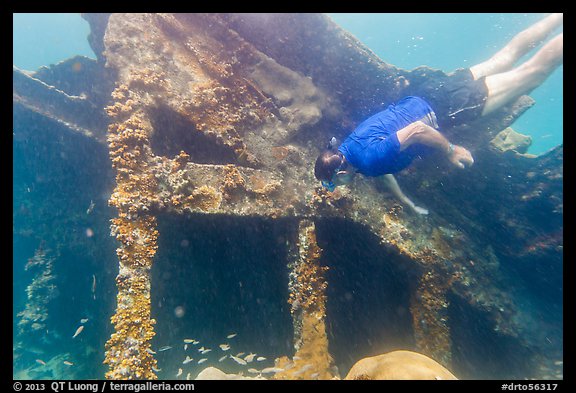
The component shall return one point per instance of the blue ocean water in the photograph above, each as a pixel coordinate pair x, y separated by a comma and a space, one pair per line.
48, 38
86, 270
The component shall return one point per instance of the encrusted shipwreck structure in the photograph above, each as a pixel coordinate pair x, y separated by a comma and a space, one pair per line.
224, 115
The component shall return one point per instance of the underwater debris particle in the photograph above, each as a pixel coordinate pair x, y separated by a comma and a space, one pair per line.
179, 311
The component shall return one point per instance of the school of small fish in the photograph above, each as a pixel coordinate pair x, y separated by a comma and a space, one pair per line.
240, 358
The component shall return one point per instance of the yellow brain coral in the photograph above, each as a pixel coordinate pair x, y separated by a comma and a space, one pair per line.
399, 365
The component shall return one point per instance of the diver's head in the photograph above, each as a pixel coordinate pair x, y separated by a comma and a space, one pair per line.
330, 169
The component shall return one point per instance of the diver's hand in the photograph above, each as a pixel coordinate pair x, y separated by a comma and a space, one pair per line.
419, 210
416, 209
460, 157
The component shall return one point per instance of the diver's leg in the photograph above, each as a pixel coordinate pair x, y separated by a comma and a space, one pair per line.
506, 86
521, 44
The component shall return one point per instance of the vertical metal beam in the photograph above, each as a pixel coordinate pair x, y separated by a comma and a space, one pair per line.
128, 351
307, 298
429, 308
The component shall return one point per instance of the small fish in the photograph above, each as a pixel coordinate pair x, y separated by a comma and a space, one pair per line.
240, 354
188, 340
195, 342
303, 369
315, 375
78, 331
222, 358
238, 360
231, 335
90, 207
42, 362
150, 351
202, 360
156, 369
84, 320
66, 362
187, 360
289, 366
185, 347
94, 287
179, 372
253, 371
224, 347
188, 376
206, 351
271, 370
250, 357
260, 358
164, 348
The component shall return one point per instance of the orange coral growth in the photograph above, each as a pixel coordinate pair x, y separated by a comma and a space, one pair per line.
128, 351
312, 359
204, 198
180, 161
233, 182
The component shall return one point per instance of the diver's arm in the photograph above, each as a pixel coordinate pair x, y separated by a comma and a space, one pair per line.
392, 184
418, 132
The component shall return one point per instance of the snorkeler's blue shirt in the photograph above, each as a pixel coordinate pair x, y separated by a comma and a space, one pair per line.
373, 147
